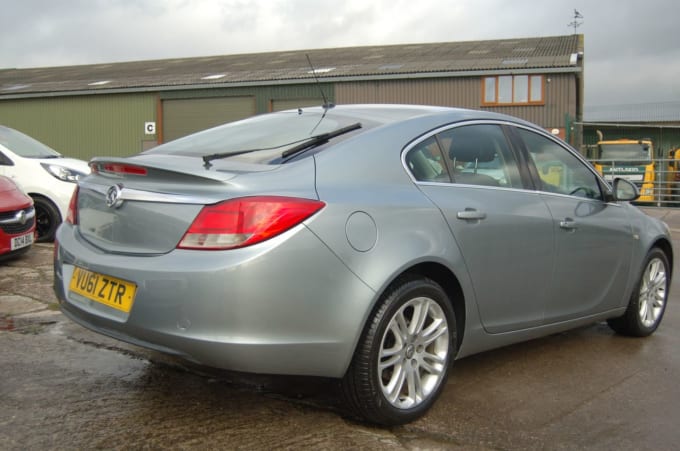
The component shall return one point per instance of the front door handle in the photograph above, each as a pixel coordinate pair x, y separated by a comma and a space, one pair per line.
470, 214
568, 224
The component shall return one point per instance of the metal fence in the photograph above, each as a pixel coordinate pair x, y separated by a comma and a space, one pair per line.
659, 186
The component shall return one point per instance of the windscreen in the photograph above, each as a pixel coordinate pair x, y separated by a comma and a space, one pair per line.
24, 145
625, 152
268, 136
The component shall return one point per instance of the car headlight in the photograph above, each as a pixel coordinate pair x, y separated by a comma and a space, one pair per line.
63, 173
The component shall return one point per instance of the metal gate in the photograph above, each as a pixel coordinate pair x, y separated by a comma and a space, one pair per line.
661, 187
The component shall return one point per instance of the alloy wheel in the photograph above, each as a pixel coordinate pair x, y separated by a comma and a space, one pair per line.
652, 292
413, 353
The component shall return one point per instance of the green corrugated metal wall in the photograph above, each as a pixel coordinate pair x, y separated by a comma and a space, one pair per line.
84, 126
264, 95
185, 116
291, 104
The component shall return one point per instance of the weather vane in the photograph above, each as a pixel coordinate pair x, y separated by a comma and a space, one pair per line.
576, 22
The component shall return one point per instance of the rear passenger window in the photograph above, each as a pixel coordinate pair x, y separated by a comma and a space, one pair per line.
479, 155
426, 163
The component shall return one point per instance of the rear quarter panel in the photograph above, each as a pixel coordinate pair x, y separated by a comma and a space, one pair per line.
365, 176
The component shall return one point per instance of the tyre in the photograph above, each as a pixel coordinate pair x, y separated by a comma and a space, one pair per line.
47, 219
402, 360
648, 300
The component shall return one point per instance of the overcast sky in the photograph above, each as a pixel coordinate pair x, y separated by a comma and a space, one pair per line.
632, 49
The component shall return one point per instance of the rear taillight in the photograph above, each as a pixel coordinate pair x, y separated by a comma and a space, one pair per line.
72, 213
245, 221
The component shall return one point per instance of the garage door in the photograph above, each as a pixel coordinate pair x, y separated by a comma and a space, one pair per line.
290, 104
184, 116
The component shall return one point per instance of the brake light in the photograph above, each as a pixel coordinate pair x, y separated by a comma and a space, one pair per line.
117, 168
72, 213
246, 221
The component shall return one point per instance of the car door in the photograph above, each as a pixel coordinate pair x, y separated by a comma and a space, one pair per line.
593, 238
503, 230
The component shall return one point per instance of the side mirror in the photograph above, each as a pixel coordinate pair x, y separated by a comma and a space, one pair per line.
625, 190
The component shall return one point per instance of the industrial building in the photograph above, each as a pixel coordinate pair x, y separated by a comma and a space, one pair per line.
120, 109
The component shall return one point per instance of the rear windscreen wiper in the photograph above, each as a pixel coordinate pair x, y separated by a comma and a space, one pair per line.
217, 156
316, 140
302, 144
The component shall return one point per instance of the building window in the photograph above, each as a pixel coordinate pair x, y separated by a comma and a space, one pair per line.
513, 90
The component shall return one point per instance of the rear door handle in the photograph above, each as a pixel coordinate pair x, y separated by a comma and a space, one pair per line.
568, 224
470, 214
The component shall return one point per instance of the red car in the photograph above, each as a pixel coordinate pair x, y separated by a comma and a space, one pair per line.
17, 220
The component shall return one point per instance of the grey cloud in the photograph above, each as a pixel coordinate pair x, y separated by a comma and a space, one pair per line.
630, 49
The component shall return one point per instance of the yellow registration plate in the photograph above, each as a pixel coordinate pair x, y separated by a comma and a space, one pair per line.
107, 290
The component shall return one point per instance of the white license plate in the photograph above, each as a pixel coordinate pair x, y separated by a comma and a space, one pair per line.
22, 241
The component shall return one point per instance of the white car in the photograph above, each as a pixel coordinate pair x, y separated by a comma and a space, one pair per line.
42, 173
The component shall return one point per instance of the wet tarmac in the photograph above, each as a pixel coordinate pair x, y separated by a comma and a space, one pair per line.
63, 387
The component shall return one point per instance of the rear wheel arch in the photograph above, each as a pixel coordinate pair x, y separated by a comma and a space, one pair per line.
445, 278
407, 346
449, 282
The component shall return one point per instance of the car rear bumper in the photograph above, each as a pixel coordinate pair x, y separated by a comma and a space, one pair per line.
244, 309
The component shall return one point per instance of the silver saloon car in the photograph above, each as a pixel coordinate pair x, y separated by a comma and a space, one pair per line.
368, 243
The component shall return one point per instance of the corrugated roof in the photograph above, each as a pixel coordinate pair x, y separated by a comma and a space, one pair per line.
368, 62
